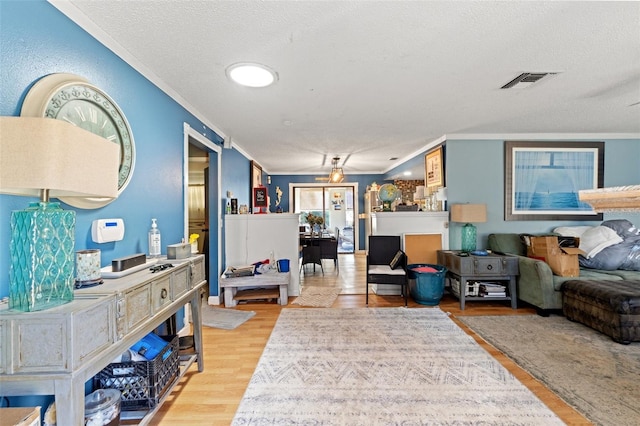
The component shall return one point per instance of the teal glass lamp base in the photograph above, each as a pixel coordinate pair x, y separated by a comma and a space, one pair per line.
468, 238
41, 274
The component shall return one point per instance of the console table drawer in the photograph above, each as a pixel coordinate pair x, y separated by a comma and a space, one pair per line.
134, 309
197, 271
161, 293
59, 339
179, 283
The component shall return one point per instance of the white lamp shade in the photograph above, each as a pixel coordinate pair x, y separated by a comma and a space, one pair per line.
43, 153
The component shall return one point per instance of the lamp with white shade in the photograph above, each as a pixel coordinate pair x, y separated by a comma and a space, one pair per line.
48, 158
469, 214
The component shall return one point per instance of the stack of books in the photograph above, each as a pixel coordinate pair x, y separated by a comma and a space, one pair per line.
492, 290
239, 271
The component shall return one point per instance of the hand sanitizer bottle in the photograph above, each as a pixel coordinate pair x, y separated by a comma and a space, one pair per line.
154, 240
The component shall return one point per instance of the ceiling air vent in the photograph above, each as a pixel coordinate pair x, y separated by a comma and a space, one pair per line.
526, 79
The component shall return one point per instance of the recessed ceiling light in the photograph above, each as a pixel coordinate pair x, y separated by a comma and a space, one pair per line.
251, 74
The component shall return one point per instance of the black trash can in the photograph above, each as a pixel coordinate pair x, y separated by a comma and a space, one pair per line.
426, 283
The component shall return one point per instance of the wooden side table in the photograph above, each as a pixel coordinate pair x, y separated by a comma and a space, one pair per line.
490, 268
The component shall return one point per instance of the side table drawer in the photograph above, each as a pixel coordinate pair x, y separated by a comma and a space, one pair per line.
478, 265
488, 266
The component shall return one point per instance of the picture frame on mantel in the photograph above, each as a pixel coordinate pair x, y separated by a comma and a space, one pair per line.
256, 180
542, 179
434, 168
261, 200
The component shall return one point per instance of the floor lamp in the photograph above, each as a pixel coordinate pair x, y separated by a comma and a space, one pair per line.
46, 158
469, 214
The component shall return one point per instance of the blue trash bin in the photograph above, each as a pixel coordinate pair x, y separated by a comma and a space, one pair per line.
426, 286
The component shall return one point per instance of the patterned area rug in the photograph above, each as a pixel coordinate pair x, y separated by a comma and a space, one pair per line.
382, 366
592, 373
224, 318
319, 297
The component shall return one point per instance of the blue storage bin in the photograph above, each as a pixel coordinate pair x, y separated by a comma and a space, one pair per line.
426, 288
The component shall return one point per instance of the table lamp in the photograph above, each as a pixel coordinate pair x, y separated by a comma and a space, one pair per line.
469, 214
44, 157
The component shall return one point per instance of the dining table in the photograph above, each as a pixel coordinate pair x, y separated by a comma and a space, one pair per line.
306, 238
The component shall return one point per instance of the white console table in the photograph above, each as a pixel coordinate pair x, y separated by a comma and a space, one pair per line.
55, 351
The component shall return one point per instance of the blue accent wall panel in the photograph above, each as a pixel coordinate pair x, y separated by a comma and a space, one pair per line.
362, 180
37, 40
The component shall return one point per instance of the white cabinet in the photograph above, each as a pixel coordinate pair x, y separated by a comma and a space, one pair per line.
422, 233
249, 238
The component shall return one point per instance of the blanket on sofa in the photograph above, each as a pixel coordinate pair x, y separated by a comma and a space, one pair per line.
614, 245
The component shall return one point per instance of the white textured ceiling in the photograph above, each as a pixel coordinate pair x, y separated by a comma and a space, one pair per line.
368, 81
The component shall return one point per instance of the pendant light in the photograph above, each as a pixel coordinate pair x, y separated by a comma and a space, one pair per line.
336, 175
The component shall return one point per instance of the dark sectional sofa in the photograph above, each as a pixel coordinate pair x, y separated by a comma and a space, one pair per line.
590, 298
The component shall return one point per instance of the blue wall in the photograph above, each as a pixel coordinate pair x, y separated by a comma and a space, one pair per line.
362, 180
37, 40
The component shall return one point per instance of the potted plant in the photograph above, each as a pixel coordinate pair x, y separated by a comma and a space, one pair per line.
315, 222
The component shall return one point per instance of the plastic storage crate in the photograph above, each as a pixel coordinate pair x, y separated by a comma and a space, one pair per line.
142, 383
473, 288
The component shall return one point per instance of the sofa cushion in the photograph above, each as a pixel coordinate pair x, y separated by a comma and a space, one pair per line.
384, 270
622, 274
507, 243
585, 274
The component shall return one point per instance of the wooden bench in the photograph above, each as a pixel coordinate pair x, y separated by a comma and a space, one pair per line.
264, 286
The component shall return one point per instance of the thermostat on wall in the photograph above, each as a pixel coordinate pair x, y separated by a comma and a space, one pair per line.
107, 230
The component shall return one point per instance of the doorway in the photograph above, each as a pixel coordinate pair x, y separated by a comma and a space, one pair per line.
202, 211
335, 203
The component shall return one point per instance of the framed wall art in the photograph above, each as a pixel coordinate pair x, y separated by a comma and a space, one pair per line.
256, 180
542, 180
434, 168
260, 200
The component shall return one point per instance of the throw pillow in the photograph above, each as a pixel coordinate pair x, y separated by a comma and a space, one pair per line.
596, 239
396, 262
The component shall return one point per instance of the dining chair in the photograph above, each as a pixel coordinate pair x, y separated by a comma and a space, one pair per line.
386, 264
311, 255
329, 250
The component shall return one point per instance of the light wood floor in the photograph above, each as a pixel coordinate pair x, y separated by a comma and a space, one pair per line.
212, 397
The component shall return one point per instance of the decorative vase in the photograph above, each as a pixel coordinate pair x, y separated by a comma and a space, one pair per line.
41, 274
